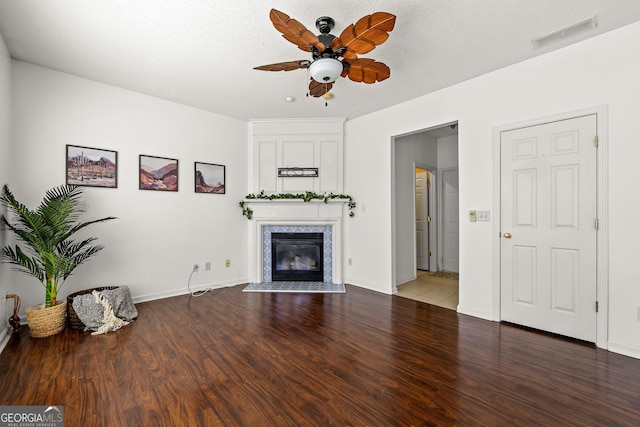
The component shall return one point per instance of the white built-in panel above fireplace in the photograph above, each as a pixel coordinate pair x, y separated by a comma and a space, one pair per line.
285, 216
297, 143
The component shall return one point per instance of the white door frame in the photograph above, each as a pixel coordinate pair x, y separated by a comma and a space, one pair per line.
441, 214
433, 226
602, 239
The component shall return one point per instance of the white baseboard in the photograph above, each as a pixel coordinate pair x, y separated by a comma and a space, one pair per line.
176, 292
475, 313
404, 280
624, 349
372, 288
4, 339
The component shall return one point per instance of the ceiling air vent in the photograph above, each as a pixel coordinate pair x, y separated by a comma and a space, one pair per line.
570, 30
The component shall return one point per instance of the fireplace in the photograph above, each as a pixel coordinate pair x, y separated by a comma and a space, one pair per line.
297, 257
291, 216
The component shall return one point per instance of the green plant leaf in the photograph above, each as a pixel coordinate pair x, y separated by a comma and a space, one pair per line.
49, 253
306, 197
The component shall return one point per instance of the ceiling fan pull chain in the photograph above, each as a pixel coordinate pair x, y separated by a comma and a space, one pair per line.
326, 103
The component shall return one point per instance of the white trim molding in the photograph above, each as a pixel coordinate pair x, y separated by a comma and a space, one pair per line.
294, 213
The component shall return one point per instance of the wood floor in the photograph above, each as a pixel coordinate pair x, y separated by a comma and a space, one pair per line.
357, 359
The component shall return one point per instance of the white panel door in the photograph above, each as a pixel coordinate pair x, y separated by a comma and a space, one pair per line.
548, 234
422, 224
450, 221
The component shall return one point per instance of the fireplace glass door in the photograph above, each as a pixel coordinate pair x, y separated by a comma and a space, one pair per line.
297, 257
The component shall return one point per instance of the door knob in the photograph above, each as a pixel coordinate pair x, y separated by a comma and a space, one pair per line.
507, 235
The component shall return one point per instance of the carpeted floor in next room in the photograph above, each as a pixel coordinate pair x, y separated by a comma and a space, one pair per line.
436, 288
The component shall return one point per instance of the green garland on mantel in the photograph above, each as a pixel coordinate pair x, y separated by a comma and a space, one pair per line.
305, 197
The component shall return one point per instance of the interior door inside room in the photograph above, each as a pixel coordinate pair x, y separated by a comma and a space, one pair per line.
450, 228
424, 223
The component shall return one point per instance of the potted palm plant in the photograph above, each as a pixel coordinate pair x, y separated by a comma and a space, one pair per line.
45, 248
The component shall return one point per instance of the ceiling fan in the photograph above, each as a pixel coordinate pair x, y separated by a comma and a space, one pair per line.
333, 56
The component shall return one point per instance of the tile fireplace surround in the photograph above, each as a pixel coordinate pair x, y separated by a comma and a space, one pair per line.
295, 216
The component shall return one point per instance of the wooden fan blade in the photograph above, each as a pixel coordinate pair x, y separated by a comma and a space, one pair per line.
285, 66
368, 71
317, 89
370, 31
348, 54
295, 32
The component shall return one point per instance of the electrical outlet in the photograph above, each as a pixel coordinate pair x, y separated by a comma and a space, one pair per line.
349, 262
195, 267
473, 216
207, 266
227, 263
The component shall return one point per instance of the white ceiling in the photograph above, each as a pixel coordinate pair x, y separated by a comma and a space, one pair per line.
202, 52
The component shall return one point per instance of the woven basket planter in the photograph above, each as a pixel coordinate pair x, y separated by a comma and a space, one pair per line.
72, 318
45, 322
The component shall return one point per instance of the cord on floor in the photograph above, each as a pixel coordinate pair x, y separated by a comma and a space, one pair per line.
196, 293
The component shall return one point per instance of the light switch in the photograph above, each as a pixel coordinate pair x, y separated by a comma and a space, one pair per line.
484, 216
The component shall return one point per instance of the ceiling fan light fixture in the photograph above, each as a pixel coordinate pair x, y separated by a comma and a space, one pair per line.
325, 70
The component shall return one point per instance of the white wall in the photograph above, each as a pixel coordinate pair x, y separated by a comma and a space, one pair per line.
594, 72
448, 152
159, 235
6, 308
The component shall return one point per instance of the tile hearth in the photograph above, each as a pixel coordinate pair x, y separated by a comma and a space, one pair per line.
306, 287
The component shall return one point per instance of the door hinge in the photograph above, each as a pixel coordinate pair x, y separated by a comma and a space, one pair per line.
429, 253
596, 306
428, 183
428, 218
596, 141
597, 224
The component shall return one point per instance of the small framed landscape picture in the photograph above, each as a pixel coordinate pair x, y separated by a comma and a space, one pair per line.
158, 173
209, 178
92, 167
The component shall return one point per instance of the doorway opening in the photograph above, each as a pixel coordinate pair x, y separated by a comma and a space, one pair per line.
425, 207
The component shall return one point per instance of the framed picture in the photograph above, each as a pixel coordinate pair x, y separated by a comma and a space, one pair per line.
158, 173
209, 178
92, 167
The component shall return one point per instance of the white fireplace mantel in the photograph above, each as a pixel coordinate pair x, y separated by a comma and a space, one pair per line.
294, 213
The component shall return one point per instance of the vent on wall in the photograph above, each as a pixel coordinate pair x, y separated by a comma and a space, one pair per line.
570, 30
